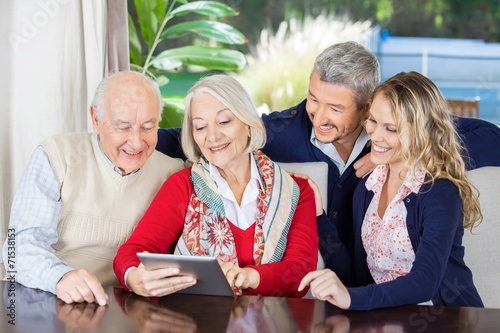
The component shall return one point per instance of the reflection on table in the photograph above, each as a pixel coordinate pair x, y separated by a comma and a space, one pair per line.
192, 313
37, 311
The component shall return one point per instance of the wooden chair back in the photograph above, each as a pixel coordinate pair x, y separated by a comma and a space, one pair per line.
464, 108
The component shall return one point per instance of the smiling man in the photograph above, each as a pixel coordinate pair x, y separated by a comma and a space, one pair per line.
82, 194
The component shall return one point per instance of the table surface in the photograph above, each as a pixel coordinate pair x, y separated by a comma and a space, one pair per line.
32, 310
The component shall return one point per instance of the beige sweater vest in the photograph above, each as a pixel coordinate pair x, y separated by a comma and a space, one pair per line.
100, 208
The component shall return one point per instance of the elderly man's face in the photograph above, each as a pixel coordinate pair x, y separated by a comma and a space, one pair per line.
128, 128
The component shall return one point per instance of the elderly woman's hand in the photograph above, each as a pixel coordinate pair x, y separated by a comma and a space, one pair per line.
243, 278
158, 282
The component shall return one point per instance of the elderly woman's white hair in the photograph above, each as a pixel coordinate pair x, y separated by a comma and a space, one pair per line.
231, 93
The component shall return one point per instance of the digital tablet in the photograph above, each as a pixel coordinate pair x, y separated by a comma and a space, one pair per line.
210, 280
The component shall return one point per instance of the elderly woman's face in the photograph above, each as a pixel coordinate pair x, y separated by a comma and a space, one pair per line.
219, 134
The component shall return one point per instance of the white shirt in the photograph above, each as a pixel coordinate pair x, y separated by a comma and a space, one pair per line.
329, 150
244, 215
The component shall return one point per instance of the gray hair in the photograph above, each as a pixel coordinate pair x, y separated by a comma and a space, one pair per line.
232, 94
350, 65
100, 92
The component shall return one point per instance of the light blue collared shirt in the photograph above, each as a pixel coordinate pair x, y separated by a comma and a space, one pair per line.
329, 150
35, 214
111, 164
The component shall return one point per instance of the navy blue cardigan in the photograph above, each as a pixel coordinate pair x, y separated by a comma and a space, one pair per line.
439, 273
288, 140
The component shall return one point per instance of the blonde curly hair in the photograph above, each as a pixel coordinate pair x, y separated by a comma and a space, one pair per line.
428, 136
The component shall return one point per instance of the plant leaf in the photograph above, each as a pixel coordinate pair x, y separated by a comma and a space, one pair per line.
161, 7
173, 112
147, 19
204, 8
162, 80
166, 62
208, 57
218, 31
135, 47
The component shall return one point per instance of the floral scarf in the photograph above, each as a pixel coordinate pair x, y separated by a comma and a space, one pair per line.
207, 232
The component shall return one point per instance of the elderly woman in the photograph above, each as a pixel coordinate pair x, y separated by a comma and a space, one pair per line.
234, 203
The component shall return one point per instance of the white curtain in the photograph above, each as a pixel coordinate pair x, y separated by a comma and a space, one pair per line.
53, 55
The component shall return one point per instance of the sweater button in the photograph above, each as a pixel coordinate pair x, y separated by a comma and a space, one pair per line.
293, 112
334, 214
407, 200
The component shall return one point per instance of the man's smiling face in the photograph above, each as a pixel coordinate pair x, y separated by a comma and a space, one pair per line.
332, 111
128, 126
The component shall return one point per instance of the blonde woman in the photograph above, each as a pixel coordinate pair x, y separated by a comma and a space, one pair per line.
411, 212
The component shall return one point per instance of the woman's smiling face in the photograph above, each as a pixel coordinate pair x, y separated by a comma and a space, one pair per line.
220, 135
383, 132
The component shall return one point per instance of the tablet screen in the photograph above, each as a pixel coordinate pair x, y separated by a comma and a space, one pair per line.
210, 279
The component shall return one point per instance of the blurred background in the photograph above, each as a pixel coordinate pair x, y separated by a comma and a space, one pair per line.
453, 42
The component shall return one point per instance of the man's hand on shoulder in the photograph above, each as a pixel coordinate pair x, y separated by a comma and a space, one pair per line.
364, 166
80, 286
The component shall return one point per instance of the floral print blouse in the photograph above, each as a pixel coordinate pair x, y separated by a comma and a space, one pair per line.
386, 241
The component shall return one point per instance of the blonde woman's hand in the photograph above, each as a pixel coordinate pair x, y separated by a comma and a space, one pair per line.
317, 194
326, 286
243, 278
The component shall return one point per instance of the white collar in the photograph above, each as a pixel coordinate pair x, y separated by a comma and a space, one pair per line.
222, 183
242, 215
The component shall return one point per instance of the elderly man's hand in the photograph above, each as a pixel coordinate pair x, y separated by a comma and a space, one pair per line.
317, 194
158, 282
80, 286
81, 316
364, 166
242, 278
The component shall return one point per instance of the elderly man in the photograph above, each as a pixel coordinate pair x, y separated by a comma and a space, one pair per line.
327, 126
82, 194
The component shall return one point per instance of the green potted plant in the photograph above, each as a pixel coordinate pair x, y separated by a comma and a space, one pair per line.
155, 25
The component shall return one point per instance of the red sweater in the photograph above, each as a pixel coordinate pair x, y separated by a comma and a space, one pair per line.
163, 222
